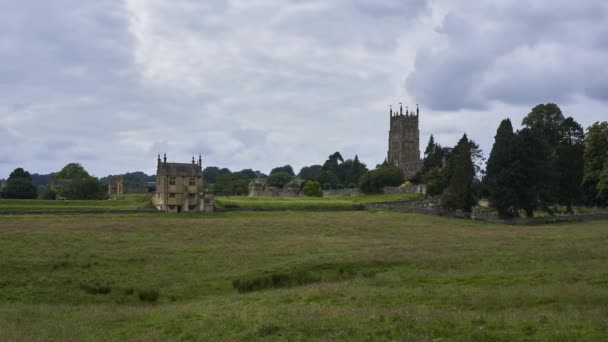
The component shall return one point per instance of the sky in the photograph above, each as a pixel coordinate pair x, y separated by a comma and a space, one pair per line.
257, 84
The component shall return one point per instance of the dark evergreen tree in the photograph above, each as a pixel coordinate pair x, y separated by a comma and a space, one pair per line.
570, 163
279, 179
500, 181
596, 155
19, 185
459, 193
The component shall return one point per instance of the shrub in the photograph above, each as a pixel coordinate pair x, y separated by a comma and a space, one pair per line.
150, 295
312, 189
96, 288
372, 182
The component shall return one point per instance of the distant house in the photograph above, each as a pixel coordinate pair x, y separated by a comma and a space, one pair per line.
180, 187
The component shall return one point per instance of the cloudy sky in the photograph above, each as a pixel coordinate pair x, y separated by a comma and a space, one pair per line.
262, 83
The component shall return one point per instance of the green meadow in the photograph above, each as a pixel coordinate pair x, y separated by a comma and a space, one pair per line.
308, 203
362, 276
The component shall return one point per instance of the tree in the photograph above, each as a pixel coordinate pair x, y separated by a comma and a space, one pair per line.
570, 163
331, 164
312, 189
231, 184
19, 185
373, 182
287, 169
500, 180
602, 185
72, 171
85, 188
596, 147
48, 194
533, 171
546, 121
311, 172
459, 193
279, 179
211, 173
329, 180
249, 173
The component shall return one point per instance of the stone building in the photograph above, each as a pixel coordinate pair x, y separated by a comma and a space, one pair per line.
258, 189
180, 188
116, 186
59, 186
404, 141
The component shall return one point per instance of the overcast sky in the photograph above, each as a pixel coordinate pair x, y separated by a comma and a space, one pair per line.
262, 83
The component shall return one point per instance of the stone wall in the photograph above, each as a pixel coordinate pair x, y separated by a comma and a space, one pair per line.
341, 192
416, 189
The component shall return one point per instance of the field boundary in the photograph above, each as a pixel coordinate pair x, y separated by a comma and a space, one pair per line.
403, 208
76, 211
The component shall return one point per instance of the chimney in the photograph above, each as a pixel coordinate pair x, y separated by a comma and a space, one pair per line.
158, 159
165, 158
200, 161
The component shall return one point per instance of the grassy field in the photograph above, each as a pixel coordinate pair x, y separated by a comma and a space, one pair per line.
123, 202
311, 203
365, 276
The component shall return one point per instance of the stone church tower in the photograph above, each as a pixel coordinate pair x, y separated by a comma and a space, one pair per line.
404, 141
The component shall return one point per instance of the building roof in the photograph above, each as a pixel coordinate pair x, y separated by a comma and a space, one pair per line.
179, 170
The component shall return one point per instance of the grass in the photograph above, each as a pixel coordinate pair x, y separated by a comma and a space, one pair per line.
363, 276
308, 203
122, 202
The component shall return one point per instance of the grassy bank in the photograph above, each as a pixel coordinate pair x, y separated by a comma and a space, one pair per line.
312, 203
311, 276
124, 202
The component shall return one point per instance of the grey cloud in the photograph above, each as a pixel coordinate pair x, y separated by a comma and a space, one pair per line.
469, 71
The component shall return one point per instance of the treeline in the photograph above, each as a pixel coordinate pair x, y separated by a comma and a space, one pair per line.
80, 185
550, 161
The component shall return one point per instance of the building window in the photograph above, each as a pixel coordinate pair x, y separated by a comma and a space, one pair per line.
192, 196
192, 181
171, 180
171, 195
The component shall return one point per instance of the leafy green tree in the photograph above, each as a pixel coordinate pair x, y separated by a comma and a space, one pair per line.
500, 179
602, 185
331, 164
19, 185
85, 188
312, 189
72, 171
373, 182
570, 163
459, 193
211, 173
279, 179
329, 180
596, 147
287, 169
231, 184
249, 173
311, 172
48, 194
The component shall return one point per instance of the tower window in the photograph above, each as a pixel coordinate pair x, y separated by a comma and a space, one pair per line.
171, 180
192, 181
171, 195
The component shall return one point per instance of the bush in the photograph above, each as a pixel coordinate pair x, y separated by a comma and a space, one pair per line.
312, 189
148, 295
279, 179
96, 288
372, 182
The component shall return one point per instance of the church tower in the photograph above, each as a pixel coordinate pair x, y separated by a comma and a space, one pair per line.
404, 141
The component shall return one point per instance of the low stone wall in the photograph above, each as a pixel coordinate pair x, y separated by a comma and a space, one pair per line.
416, 189
341, 192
